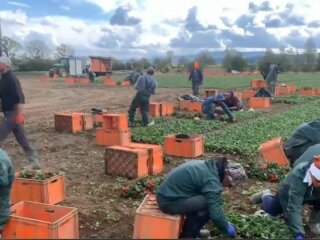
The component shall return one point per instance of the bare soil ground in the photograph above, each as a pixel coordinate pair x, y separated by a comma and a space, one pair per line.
102, 213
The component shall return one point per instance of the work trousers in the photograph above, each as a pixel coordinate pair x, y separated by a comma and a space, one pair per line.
7, 126
196, 212
195, 88
141, 100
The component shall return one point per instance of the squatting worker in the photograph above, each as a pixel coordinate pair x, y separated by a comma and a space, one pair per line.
12, 100
301, 186
194, 190
145, 86
6, 179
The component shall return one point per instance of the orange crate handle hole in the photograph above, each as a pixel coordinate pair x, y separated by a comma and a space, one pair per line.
48, 210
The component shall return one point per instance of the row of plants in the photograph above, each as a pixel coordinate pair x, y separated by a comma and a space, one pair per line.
255, 227
295, 99
245, 138
270, 172
163, 127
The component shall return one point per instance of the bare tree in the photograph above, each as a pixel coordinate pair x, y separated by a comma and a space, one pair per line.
37, 49
10, 47
64, 50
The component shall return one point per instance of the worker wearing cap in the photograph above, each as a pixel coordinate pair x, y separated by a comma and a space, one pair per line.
145, 86
196, 77
12, 100
194, 189
6, 179
210, 104
301, 186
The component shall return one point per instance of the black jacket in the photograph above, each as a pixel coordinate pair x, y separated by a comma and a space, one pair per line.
10, 92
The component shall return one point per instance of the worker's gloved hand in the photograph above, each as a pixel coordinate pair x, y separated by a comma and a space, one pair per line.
231, 231
299, 236
19, 119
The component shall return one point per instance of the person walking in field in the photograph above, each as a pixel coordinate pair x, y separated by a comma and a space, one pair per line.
12, 100
272, 78
196, 77
194, 190
145, 86
6, 179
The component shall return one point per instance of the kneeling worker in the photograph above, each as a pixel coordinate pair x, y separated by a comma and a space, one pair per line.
211, 103
301, 186
194, 190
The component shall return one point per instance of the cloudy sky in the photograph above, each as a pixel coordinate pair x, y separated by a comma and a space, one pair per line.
137, 28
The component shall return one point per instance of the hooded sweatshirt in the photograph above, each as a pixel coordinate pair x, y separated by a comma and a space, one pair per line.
196, 178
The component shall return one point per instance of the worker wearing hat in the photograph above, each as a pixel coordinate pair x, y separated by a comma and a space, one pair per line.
210, 104
145, 86
194, 190
6, 179
12, 100
196, 77
301, 186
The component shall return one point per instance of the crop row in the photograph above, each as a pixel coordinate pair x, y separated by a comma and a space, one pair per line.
246, 137
295, 99
163, 127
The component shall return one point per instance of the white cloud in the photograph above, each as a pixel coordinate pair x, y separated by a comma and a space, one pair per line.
18, 4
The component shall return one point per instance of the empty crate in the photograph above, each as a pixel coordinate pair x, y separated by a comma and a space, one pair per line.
256, 84
126, 162
115, 121
258, 102
50, 191
107, 137
211, 92
154, 109
184, 104
31, 220
190, 147
68, 122
166, 109
272, 151
155, 156
248, 94
282, 91
151, 223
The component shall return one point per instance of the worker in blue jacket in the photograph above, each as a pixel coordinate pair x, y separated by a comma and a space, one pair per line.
6, 179
210, 104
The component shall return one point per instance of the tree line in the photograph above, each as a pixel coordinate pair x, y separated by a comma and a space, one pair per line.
38, 57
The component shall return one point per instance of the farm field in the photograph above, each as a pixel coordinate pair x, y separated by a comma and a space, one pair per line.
107, 204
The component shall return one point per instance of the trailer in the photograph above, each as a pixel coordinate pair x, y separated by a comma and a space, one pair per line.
101, 66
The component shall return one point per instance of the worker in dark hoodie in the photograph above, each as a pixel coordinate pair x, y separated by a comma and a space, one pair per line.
301, 186
6, 179
194, 190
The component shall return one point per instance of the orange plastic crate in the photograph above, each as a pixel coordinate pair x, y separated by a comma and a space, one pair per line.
154, 109
126, 83
184, 147
107, 81
195, 107
70, 80
50, 191
107, 137
184, 105
211, 92
272, 151
87, 121
151, 223
68, 122
258, 102
292, 88
255, 84
31, 220
155, 156
248, 94
115, 121
282, 91
82, 80
126, 162
317, 91
306, 92
166, 109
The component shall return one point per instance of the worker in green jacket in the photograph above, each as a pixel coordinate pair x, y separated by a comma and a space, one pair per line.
301, 186
6, 179
194, 190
